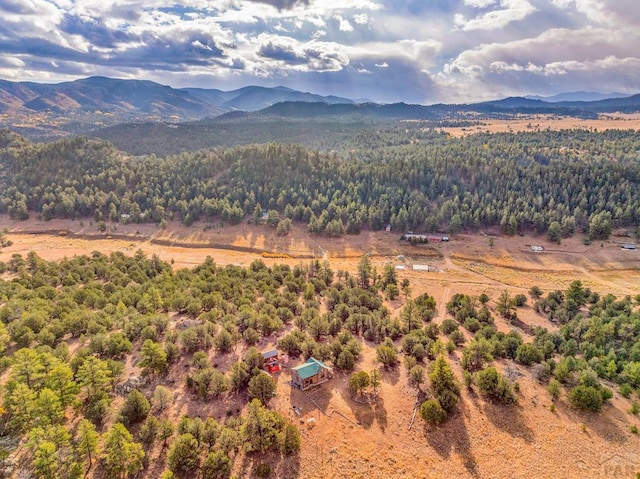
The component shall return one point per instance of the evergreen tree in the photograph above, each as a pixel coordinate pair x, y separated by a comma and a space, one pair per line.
262, 387
444, 384
122, 456
86, 442
259, 431
183, 457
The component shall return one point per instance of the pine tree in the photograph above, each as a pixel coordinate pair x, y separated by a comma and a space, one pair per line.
86, 442
217, 465
122, 456
153, 358
183, 457
260, 428
262, 387
444, 384
364, 272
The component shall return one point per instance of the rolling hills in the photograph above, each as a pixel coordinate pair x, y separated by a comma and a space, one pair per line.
41, 110
44, 111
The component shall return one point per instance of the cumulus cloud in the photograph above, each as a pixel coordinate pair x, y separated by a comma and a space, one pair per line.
479, 3
509, 11
293, 55
282, 4
557, 45
343, 24
95, 31
610, 12
361, 18
556, 60
416, 50
282, 52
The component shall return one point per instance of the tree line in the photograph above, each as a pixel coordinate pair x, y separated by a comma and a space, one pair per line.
558, 183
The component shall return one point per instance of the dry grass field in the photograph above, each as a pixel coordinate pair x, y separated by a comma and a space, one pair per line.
615, 121
347, 439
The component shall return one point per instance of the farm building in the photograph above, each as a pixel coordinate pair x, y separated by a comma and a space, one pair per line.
271, 360
311, 373
629, 246
426, 238
424, 267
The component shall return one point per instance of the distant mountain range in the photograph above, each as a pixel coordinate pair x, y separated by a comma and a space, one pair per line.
504, 108
577, 96
41, 111
253, 98
39, 108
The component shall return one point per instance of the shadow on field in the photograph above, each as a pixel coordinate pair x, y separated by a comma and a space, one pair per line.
453, 437
508, 418
256, 465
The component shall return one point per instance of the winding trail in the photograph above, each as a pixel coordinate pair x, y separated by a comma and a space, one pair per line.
442, 309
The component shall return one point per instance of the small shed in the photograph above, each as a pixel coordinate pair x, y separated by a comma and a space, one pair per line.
271, 360
388, 228
311, 373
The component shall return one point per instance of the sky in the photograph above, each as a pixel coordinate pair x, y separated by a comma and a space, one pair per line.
416, 51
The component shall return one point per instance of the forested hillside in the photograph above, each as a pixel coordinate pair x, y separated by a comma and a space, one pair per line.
68, 330
557, 182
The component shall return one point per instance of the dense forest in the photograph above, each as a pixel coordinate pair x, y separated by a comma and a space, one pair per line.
67, 329
547, 181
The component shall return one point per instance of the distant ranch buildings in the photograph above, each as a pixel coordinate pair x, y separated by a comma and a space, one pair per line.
425, 238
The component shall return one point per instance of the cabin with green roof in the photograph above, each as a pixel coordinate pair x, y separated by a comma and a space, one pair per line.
310, 373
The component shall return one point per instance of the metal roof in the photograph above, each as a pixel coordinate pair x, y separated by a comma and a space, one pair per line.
310, 368
270, 354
